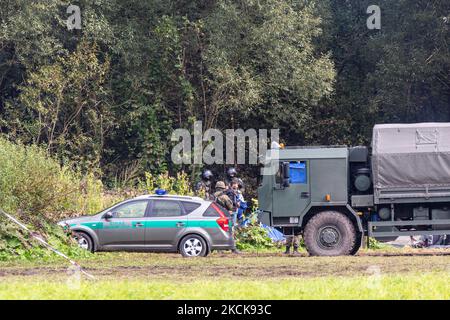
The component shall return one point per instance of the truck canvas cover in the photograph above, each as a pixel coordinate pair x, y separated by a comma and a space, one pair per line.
411, 158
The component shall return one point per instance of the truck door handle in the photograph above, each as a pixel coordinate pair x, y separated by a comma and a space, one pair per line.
180, 224
139, 224
305, 195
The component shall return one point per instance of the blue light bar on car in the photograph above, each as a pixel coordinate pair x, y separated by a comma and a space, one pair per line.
160, 192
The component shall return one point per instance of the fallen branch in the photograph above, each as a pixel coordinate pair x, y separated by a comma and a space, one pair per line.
45, 244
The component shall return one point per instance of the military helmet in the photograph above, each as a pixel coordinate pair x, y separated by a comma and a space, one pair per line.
231, 172
220, 185
207, 175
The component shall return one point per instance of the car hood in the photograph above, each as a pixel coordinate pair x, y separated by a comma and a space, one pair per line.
77, 220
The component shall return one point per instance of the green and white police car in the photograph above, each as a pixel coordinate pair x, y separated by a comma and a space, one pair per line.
189, 225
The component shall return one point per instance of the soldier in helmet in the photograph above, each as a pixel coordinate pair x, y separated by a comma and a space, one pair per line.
231, 174
203, 187
221, 197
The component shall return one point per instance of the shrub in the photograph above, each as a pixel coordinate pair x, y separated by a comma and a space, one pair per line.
179, 184
252, 236
33, 182
39, 191
376, 245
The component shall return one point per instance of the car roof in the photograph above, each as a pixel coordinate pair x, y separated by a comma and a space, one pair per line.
170, 197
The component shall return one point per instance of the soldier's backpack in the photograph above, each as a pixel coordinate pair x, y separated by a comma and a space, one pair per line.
221, 199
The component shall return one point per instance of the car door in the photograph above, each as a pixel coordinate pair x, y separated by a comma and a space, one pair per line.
165, 224
126, 229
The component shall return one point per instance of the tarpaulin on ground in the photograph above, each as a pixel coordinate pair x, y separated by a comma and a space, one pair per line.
273, 233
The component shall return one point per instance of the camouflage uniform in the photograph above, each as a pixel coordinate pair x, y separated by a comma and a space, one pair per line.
202, 189
223, 200
221, 197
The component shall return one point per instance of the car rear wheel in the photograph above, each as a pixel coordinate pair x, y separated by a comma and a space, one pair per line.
84, 241
330, 233
193, 246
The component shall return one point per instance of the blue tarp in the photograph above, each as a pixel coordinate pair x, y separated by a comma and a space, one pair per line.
298, 172
274, 234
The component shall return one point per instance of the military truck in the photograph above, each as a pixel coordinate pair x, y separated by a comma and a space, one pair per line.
334, 196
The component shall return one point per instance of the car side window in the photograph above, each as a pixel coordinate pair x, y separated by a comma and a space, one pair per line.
213, 212
166, 208
190, 206
134, 209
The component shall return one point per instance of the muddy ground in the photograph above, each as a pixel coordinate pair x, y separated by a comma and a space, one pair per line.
243, 266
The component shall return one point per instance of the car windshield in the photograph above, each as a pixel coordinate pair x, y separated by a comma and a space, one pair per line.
107, 209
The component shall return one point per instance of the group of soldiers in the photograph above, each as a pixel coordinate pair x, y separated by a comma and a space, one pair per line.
229, 194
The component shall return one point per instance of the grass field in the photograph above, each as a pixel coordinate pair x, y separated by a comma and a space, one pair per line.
393, 274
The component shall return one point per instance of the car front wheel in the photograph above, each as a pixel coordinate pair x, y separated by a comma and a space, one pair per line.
193, 246
84, 241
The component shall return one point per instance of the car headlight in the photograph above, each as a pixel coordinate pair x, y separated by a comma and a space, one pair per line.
64, 225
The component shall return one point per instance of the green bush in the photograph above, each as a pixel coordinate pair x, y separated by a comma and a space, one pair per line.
16, 243
253, 236
179, 184
376, 245
39, 191
32, 182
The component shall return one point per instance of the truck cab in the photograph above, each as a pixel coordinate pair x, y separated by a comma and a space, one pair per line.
302, 182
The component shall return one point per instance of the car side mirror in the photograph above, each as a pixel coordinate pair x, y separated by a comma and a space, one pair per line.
108, 215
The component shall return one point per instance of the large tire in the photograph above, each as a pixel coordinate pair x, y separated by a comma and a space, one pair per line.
84, 241
358, 244
330, 233
193, 246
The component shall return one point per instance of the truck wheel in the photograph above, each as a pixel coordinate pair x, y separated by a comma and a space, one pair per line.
330, 233
358, 244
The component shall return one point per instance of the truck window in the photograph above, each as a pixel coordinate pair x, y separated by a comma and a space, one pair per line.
279, 174
298, 172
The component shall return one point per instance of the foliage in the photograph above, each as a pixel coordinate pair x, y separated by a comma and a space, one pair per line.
17, 244
109, 95
377, 245
36, 189
34, 183
65, 107
391, 75
252, 236
178, 184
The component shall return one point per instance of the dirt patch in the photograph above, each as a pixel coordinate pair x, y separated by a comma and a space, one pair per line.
246, 265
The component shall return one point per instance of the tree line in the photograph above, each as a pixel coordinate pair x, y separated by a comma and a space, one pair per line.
106, 98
